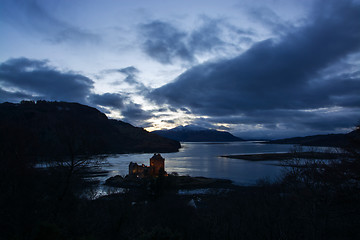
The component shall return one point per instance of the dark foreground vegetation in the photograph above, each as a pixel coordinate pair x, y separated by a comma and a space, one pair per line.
318, 201
172, 182
314, 202
309, 203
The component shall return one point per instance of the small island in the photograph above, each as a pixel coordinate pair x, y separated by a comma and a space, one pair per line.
142, 176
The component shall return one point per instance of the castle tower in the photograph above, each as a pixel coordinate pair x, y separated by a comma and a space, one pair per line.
157, 165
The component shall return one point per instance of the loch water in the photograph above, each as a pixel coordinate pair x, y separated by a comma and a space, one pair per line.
204, 159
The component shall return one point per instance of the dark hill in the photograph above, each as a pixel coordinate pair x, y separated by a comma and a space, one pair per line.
330, 140
61, 128
196, 134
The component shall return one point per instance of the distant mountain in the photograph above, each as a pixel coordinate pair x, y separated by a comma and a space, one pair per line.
330, 140
61, 128
192, 133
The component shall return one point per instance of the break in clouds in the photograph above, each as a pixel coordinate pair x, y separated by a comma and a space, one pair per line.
275, 81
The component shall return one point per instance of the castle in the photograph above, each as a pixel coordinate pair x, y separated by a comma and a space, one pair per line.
156, 168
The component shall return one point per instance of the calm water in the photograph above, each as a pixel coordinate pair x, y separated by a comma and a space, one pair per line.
203, 159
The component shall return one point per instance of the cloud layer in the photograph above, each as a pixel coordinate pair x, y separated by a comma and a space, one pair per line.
30, 16
166, 43
275, 75
37, 78
304, 79
22, 78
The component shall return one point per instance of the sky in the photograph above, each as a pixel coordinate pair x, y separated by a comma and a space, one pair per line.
258, 69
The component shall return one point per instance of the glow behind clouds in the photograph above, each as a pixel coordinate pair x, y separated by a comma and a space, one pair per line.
242, 66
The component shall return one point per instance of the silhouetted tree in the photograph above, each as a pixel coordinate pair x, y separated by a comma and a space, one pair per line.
78, 152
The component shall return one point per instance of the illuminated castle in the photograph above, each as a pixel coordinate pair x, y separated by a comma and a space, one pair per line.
156, 168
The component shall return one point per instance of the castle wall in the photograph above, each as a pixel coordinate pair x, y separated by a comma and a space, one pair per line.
157, 165
156, 168
138, 170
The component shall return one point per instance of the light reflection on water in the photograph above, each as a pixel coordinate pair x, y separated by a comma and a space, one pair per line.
202, 159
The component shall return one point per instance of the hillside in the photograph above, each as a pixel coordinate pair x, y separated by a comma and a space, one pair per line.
61, 128
329, 140
197, 134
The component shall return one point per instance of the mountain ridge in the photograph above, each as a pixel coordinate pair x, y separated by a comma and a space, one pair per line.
326, 140
192, 133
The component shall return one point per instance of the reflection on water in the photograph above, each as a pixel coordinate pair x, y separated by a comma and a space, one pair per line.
202, 159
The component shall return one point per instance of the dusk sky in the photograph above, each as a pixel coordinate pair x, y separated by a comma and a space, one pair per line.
259, 69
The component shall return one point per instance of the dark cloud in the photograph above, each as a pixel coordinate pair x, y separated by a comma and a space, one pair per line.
246, 40
130, 71
6, 96
185, 110
270, 19
113, 100
161, 110
30, 16
23, 78
131, 78
38, 78
172, 109
275, 124
278, 75
168, 121
316, 124
322, 120
207, 36
205, 123
166, 43
133, 113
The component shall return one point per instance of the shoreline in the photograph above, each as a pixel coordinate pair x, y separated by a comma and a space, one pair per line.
285, 156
